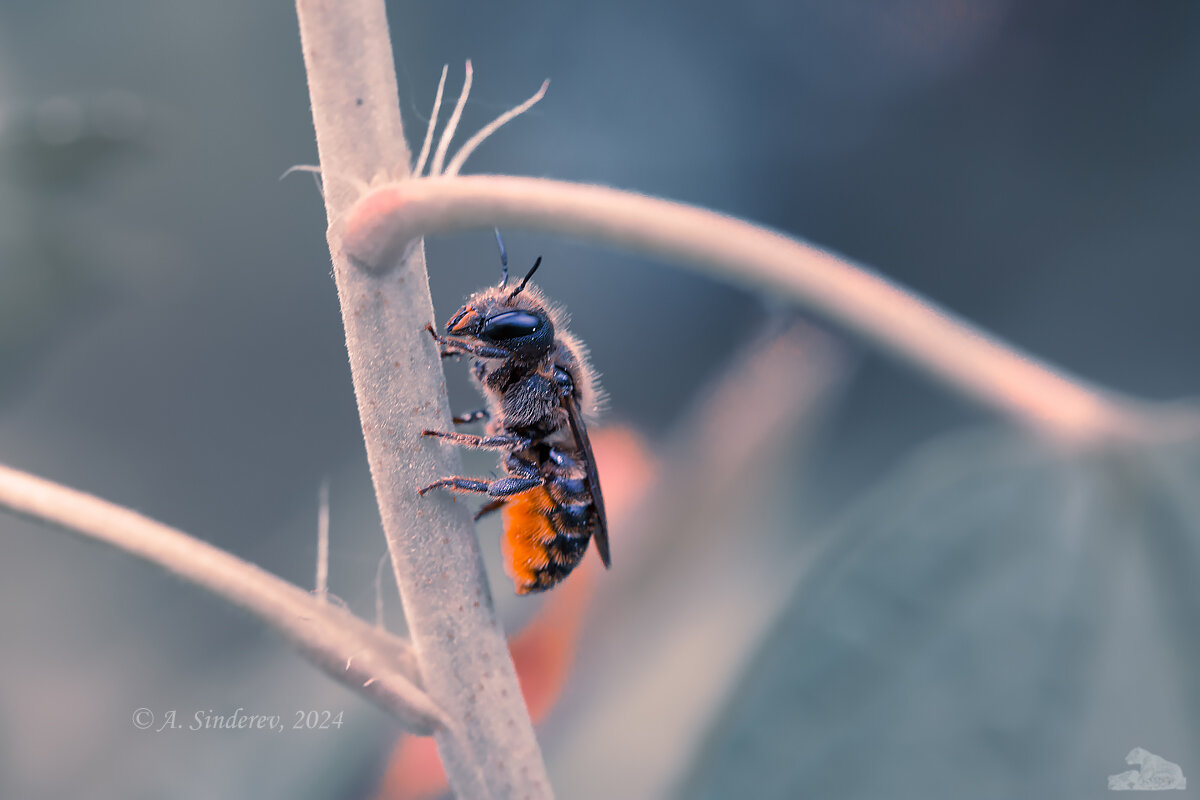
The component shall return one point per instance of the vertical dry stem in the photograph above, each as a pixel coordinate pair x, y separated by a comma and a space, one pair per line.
490, 751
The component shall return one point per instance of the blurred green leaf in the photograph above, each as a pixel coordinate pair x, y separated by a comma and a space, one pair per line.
998, 620
49, 275
61, 142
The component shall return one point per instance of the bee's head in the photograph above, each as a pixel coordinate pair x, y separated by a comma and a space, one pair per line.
513, 320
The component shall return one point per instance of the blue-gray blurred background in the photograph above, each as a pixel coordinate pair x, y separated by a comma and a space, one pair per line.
169, 335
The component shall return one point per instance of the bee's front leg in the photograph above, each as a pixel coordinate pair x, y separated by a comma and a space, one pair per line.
446, 348
458, 347
472, 416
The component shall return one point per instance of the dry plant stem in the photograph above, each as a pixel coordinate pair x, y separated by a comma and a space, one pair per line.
350, 650
961, 356
490, 749
322, 589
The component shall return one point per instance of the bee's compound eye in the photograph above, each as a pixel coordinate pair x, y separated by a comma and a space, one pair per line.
510, 325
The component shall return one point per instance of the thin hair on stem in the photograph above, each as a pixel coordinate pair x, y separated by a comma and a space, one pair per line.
322, 588
384, 561
429, 129
451, 124
456, 164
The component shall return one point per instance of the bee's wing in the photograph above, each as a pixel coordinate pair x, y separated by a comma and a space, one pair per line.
575, 416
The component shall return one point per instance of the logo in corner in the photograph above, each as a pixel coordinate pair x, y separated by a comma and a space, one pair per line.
1153, 773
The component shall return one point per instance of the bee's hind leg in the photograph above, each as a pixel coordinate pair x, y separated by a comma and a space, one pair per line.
503, 487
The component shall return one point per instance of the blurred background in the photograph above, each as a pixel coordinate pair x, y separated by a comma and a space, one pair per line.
170, 340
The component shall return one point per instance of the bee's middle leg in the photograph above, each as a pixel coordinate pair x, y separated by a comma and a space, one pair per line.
500, 442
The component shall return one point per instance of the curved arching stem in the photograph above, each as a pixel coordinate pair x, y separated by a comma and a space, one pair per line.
385, 220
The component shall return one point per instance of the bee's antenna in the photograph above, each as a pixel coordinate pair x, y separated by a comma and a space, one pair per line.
503, 259
525, 280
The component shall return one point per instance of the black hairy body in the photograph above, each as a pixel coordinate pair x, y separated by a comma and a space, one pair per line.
537, 383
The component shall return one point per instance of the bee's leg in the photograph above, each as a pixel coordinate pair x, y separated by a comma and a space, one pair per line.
486, 351
472, 416
458, 484
504, 487
501, 442
458, 347
507, 487
562, 459
525, 471
447, 348
521, 467
489, 507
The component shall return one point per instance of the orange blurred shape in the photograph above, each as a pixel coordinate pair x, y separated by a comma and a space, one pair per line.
544, 650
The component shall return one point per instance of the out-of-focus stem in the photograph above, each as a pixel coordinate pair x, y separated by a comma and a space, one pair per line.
490, 749
357, 654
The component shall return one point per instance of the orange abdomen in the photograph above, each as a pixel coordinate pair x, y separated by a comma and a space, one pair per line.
536, 555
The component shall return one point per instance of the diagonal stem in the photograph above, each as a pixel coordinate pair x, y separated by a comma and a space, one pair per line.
354, 653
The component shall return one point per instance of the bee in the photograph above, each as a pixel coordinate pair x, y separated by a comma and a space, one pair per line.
537, 382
